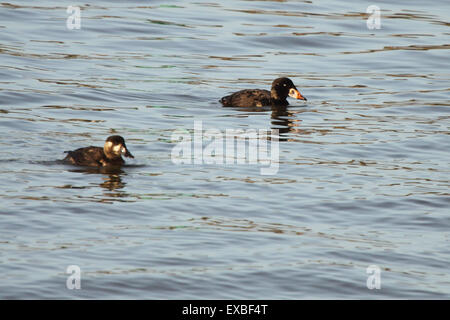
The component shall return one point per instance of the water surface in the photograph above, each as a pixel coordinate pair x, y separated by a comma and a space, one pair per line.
363, 173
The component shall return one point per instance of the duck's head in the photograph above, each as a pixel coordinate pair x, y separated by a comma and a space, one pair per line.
115, 147
284, 87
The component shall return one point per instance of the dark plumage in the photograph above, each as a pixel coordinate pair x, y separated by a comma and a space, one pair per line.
281, 89
109, 155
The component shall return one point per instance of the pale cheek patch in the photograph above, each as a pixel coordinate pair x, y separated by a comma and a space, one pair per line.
108, 145
117, 149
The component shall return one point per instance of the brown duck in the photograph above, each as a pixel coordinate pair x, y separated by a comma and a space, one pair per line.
109, 155
281, 89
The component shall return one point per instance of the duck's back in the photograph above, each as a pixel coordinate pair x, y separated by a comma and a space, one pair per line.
89, 156
247, 98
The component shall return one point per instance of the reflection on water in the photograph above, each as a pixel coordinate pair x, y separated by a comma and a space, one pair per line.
111, 180
285, 119
111, 176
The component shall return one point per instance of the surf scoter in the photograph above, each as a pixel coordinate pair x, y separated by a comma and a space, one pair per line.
109, 155
281, 89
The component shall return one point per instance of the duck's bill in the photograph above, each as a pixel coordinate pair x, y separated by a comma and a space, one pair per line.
293, 93
126, 153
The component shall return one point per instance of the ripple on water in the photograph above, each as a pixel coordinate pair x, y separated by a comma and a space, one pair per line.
363, 166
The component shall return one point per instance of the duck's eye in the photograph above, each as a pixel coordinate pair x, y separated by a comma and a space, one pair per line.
284, 85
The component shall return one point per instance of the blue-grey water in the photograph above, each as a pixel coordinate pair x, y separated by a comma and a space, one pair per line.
363, 174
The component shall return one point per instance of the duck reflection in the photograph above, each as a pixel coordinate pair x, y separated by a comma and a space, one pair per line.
111, 179
113, 182
283, 119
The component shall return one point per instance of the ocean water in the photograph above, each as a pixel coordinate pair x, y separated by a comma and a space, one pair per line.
361, 178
